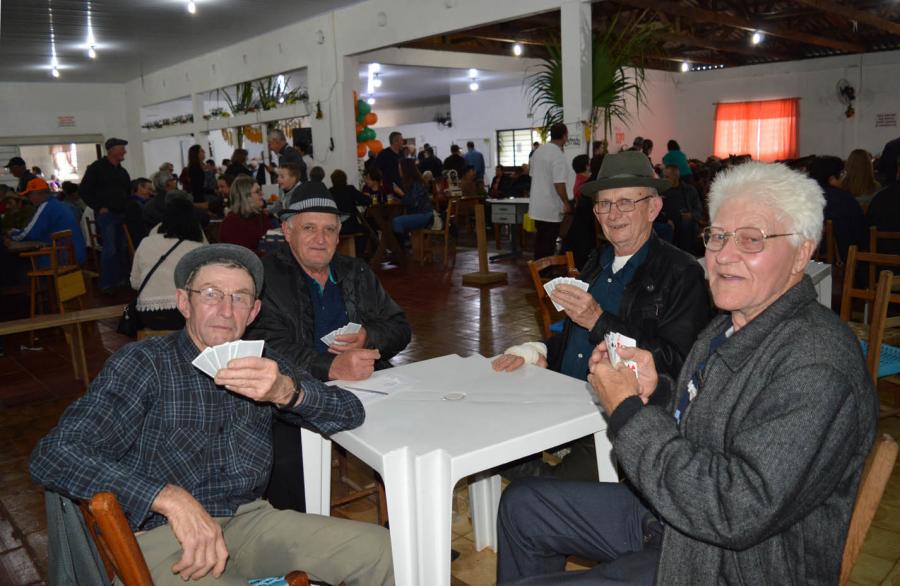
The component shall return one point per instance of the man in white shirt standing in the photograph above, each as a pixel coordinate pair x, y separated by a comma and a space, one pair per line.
549, 201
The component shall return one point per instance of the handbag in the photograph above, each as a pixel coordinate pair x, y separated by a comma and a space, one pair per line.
130, 322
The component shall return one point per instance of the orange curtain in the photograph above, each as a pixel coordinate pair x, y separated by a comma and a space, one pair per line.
766, 130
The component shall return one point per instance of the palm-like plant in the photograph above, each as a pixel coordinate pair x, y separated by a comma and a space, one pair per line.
618, 57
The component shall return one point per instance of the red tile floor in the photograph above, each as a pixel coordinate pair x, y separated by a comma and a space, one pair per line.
446, 318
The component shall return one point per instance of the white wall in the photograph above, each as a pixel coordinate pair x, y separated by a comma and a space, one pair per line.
31, 109
823, 128
389, 118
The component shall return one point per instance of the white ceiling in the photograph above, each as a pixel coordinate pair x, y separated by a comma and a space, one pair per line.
133, 36
408, 87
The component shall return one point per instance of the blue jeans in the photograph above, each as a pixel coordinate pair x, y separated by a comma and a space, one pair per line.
410, 222
543, 520
114, 256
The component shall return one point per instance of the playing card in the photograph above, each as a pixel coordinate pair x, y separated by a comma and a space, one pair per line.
352, 328
233, 348
610, 339
203, 364
250, 348
625, 342
549, 286
211, 357
223, 354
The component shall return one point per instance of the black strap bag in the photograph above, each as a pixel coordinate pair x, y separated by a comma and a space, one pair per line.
130, 322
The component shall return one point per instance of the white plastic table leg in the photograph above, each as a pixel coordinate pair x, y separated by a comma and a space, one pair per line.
484, 503
316, 472
606, 470
434, 501
399, 476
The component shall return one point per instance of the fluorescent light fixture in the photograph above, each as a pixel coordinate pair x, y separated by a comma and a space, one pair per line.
517, 50
92, 53
192, 7
473, 73
54, 61
91, 41
55, 73
685, 66
371, 101
473, 86
376, 82
757, 37
375, 67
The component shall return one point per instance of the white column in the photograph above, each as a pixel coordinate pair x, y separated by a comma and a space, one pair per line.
331, 85
575, 35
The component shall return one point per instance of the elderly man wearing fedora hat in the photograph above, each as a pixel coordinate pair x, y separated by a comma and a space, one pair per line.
188, 453
640, 287
311, 291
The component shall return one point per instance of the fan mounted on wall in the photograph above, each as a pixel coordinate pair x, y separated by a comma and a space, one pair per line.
846, 94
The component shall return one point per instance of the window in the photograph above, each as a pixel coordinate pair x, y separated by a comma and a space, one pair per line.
766, 130
513, 146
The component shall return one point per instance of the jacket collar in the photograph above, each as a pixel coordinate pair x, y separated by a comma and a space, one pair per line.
744, 342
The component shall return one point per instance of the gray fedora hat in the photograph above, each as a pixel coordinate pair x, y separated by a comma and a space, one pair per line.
219, 253
625, 169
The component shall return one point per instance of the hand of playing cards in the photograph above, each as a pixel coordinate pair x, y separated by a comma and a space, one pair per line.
350, 328
216, 357
549, 286
614, 341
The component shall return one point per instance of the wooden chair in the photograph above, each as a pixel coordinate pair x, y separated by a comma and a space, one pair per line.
874, 479
93, 243
875, 237
347, 245
544, 303
129, 241
64, 278
376, 487
875, 349
424, 241
851, 292
119, 548
827, 251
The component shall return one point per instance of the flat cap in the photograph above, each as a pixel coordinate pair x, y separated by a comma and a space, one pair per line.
114, 142
219, 254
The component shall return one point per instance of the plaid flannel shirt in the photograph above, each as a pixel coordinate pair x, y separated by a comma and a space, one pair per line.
150, 418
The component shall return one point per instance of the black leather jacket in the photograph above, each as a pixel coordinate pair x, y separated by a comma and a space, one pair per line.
287, 321
665, 306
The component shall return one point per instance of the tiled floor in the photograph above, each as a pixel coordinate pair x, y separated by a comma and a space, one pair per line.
446, 318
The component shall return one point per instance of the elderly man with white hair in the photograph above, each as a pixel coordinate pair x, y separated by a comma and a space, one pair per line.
745, 469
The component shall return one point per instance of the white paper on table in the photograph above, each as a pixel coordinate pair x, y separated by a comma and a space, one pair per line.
380, 385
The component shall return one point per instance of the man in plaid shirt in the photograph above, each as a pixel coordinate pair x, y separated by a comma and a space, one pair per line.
188, 456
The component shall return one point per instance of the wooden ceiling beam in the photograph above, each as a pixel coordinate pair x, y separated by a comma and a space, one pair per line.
851, 13
700, 15
723, 47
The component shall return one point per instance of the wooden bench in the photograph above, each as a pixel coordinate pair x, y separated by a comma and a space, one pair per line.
71, 324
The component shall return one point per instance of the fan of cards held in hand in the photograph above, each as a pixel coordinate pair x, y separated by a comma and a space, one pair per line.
216, 357
350, 328
549, 286
614, 341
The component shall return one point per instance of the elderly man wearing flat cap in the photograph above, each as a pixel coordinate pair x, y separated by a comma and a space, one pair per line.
106, 187
310, 292
640, 287
188, 455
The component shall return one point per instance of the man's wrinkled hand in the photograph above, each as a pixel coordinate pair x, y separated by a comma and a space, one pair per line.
511, 362
350, 342
357, 364
580, 306
201, 538
256, 378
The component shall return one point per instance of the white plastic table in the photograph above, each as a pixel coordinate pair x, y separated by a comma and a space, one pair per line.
446, 419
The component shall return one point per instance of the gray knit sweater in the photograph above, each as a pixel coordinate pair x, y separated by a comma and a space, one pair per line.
757, 484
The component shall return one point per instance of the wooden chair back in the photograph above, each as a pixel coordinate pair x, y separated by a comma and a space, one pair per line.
119, 548
851, 292
93, 241
874, 479
128, 240
827, 251
544, 303
60, 253
875, 237
115, 541
450, 219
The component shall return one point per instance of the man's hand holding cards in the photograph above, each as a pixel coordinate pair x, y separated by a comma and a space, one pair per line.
348, 337
217, 357
614, 342
572, 296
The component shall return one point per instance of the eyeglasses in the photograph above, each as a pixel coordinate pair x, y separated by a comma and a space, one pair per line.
749, 240
623, 205
213, 296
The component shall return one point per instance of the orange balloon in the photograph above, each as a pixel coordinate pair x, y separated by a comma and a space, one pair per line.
359, 128
375, 145
361, 150
370, 119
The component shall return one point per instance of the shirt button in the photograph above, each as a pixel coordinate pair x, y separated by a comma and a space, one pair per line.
580, 355
609, 280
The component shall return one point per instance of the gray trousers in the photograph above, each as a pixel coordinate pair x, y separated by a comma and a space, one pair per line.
264, 542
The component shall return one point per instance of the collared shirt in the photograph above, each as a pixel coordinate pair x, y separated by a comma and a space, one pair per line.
608, 289
150, 418
329, 311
